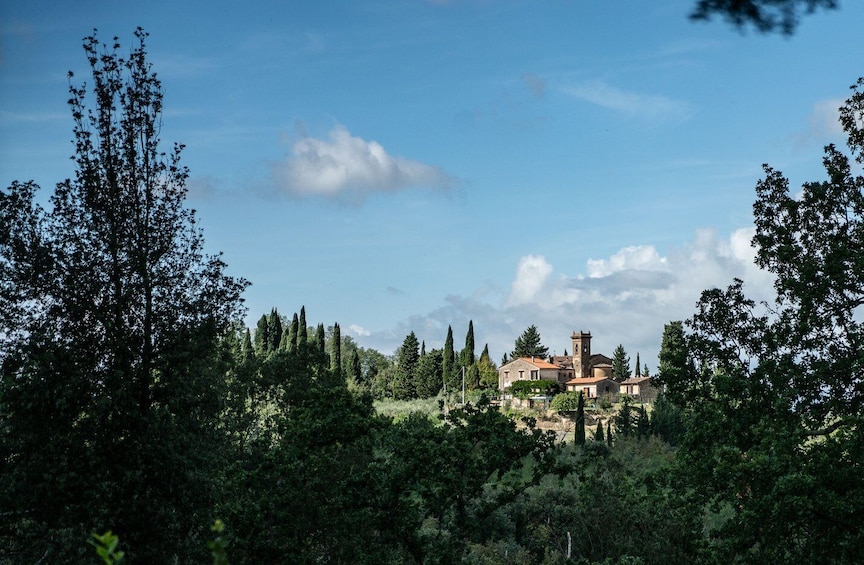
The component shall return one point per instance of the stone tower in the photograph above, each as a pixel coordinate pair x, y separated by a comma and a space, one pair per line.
581, 354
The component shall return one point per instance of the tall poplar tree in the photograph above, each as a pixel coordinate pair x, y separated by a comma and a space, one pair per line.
110, 318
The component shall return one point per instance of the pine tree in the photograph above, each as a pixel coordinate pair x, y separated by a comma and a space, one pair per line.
528, 345
645, 372
620, 363
407, 358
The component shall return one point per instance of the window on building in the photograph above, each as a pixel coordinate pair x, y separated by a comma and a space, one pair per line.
535, 375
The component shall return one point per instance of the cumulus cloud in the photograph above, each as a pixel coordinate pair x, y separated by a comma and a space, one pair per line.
625, 298
631, 103
531, 276
348, 166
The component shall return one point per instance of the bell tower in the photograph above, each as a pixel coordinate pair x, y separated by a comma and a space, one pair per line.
581, 354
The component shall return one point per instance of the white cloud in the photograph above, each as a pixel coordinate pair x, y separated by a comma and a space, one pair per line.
358, 330
625, 298
348, 166
633, 104
531, 275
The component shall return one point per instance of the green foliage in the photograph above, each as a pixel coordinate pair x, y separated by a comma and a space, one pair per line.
467, 358
448, 366
526, 389
218, 545
487, 371
598, 433
772, 402
111, 379
407, 359
528, 345
106, 548
427, 376
336, 351
274, 330
764, 15
620, 363
565, 401
625, 420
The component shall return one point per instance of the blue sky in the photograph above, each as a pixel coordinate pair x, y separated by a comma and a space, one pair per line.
402, 165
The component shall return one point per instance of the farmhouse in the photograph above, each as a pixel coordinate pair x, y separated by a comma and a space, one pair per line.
561, 368
532, 369
593, 387
640, 388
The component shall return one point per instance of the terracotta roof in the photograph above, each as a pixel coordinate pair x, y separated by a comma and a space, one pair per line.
588, 381
539, 363
636, 380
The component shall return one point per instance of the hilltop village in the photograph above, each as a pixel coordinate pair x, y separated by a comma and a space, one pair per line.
583, 371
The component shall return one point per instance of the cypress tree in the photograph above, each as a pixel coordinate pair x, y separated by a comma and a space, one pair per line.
320, 339
449, 361
638, 366
274, 329
262, 337
468, 352
484, 356
598, 433
609, 433
580, 420
302, 336
643, 424
247, 348
336, 351
356, 367
423, 348
293, 334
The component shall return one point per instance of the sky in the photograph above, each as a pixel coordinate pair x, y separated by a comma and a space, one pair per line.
405, 165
